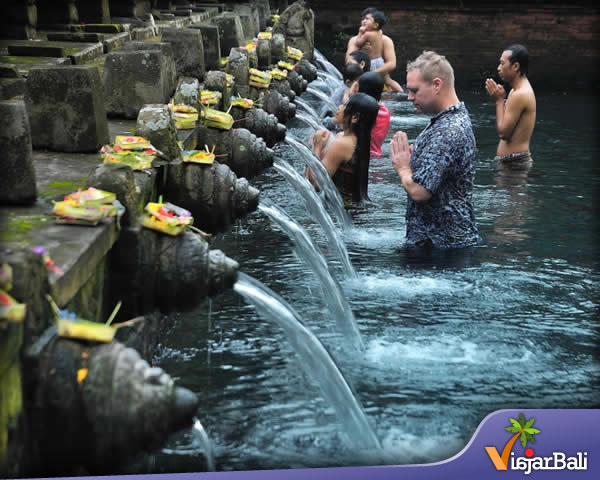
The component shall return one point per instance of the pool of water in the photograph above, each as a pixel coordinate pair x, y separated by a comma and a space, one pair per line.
449, 338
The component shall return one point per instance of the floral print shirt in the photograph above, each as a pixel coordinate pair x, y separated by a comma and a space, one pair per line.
442, 161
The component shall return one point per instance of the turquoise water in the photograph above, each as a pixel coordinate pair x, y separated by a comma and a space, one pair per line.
449, 339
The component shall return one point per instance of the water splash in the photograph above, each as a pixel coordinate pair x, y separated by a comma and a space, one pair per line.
332, 293
315, 207
202, 437
315, 125
326, 65
307, 107
330, 194
314, 359
328, 104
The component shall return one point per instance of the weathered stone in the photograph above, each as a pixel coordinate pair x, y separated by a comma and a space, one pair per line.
142, 33
245, 153
66, 109
75, 36
118, 179
187, 92
279, 105
155, 122
263, 52
238, 66
188, 50
104, 28
264, 12
283, 87
17, 182
230, 28
307, 70
8, 70
213, 193
297, 82
297, 24
122, 406
212, 44
116, 41
250, 18
278, 48
260, 123
252, 59
84, 55
216, 81
133, 79
169, 68
12, 87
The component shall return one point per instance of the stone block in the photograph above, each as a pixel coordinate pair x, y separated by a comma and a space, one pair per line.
75, 37
278, 48
212, 45
115, 42
133, 79
17, 182
142, 33
238, 67
188, 50
231, 31
169, 60
263, 52
11, 87
155, 122
188, 91
66, 109
216, 81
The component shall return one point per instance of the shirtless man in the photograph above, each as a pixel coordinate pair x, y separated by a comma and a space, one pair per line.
380, 47
515, 118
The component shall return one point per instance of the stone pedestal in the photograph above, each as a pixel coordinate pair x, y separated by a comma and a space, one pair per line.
232, 33
134, 79
212, 45
187, 92
188, 50
238, 66
66, 109
155, 123
17, 182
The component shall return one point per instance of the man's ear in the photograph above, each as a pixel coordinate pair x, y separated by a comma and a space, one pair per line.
516, 66
437, 84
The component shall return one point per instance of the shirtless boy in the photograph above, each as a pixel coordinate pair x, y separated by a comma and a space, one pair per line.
515, 118
380, 47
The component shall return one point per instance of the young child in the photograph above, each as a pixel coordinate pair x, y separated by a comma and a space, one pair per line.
370, 31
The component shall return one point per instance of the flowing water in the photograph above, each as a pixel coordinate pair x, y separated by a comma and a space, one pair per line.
448, 338
338, 306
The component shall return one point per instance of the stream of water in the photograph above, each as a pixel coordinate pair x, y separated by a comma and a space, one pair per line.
448, 338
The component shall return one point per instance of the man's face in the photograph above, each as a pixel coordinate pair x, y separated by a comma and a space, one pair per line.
420, 92
368, 22
506, 70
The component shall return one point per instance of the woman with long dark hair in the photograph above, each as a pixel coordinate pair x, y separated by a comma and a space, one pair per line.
347, 157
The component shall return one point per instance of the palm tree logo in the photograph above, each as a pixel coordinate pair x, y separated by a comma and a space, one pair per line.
521, 428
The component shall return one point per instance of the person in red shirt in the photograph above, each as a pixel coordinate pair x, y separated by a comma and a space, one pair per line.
372, 83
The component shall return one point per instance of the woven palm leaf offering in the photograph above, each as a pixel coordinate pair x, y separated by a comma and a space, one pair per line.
208, 97
11, 310
259, 79
241, 102
167, 218
286, 65
70, 325
205, 157
135, 152
294, 53
216, 119
278, 74
265, 35
85, 207
185, 116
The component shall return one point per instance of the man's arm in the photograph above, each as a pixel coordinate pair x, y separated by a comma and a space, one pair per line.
389, 56
400, 152
352, 47
508, 115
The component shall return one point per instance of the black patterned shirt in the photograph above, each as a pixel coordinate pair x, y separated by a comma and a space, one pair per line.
442, 161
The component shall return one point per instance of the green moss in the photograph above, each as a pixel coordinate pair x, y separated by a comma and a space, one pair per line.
55, 189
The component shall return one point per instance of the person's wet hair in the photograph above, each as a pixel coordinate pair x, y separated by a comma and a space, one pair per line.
352, 71
361, 56
366, 109
372, 84
519, 54
379, 18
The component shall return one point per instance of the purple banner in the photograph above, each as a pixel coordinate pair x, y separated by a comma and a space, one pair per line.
508, 444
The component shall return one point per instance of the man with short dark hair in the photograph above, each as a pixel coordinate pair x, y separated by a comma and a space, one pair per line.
360, 57
515, 117
437, 172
